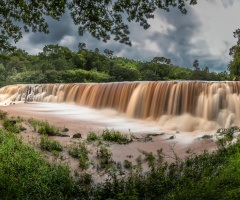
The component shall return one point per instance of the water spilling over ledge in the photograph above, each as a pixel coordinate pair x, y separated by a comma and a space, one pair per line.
215, 102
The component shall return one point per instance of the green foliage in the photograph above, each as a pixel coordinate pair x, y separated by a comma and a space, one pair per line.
127, 164
50, 145
17, 119
92, 136
115, 136
3, 115
105, 157
81, 153
31, 15
58, 64
11, 127
46, 129
207, 136
24, 174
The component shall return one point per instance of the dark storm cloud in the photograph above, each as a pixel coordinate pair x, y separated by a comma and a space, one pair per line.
58, 29
172, 35
227, 3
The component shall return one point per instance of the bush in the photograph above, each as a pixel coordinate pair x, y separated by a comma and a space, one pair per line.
105, 156
24, 174
92, 136
46, 129
50, 145
115, 136
11, 127
81, 153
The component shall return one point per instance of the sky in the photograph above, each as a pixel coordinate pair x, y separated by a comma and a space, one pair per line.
205, 33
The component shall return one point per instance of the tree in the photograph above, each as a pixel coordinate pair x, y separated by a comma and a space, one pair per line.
234, 65
162, 60
81, 46
30, 13
108, 53
101, 18
196, 64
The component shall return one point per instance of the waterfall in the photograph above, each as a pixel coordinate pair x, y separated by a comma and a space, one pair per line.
211, 101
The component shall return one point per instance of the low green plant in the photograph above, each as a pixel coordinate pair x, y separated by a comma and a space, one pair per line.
11, 127
105, 156
115, 136
50, 145
127, 164
3, 115
80, 152
24, 174
155, 134
207, 136
92, 136
86, 179
17, 119
47, 129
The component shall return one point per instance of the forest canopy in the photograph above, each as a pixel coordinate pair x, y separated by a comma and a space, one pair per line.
58, 64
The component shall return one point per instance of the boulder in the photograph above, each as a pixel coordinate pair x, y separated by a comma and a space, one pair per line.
23, 129
77, 135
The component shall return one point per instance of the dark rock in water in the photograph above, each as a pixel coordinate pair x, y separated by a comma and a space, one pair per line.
65, 136
62, 135
66, 129
77, 135
12, 121
23, 129
235, 79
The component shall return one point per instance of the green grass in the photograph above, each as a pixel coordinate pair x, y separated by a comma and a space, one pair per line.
17, 119
115, 136
43, 127
47, 129
50, 145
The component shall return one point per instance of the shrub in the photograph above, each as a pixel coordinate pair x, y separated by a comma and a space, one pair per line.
3, 115
81, 153
24, 174
105, 156
50, 145
115, 136
127, 164
92, 136
46, 129
11, 127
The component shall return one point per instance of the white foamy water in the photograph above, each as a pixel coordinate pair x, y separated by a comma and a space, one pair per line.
111, 119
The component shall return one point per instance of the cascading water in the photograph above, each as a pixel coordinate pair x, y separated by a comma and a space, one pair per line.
217, 102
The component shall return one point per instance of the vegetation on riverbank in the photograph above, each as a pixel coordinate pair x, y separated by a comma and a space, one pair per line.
25, 174
58, 64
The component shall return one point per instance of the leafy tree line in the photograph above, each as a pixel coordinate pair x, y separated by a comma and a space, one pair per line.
58, 64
